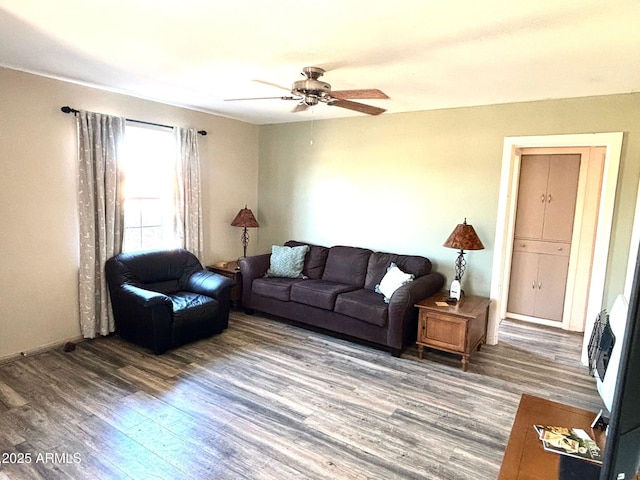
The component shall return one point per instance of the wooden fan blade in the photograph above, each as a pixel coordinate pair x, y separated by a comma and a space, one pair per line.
301, 107
261, 98
358, 107
368, 93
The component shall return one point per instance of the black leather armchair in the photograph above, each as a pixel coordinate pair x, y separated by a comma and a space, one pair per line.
163, 299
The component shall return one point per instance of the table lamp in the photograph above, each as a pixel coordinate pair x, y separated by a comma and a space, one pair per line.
245, 219
462, 238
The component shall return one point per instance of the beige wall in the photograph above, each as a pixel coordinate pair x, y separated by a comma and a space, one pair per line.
395, 182
402, 182
38, 213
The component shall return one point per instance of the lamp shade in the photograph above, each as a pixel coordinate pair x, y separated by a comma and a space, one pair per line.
464, 237
245, 218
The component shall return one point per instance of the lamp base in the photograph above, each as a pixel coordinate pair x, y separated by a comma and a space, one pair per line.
455, 290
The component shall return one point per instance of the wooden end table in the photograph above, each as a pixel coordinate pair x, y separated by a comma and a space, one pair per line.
459, 327
230, 270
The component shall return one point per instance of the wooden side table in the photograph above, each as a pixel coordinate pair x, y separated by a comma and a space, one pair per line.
230, 270
459, 327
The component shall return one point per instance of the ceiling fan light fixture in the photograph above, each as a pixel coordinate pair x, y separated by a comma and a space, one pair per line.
310, 100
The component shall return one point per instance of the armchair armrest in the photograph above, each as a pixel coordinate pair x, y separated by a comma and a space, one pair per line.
210, 284
213, 285
142, 297
403, 315
143, 316
252, 268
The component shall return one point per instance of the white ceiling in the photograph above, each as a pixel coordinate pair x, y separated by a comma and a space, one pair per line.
424, 54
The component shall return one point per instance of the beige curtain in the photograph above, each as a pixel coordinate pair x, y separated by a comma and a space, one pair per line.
101, 209
188, 219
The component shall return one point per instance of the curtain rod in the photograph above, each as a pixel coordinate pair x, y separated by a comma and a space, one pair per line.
68, 109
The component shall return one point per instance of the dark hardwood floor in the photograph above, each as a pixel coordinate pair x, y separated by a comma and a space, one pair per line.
267, 400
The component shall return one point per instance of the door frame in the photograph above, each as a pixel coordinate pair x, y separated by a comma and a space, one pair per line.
612, 141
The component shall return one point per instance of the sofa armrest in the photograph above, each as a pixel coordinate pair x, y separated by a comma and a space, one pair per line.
252, 268
403, 315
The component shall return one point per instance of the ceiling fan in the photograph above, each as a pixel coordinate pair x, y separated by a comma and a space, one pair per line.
311, 91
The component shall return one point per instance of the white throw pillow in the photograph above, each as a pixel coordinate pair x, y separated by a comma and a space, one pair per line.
392, 280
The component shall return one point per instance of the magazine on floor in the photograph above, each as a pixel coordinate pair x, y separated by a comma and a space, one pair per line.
573, 442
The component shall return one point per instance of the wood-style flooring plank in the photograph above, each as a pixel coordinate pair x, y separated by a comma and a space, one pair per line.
268, 400
9, 397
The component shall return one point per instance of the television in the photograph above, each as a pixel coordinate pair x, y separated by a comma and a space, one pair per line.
620, 392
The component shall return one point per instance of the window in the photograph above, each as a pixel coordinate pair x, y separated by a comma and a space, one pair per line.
149, 186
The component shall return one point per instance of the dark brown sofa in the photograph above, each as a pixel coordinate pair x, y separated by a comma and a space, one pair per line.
338, 293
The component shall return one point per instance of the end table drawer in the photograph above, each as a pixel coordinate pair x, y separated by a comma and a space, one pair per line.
444, 332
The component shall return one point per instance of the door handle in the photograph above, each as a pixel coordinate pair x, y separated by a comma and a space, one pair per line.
533, 284
539, 285
549, 198
542, 197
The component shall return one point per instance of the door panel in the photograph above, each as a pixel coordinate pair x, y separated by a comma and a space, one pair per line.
551, 288
532, 195
522, 286
562, 190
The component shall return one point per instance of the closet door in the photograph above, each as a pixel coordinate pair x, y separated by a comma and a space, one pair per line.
560, 203
538, 279
532, 196
523, 285
551, 287
547, 194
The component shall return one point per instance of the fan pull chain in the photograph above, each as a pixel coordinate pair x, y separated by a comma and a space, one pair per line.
312, 129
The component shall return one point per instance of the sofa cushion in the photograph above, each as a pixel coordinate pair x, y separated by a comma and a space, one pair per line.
277, 287
364, 305
393, 280
379, 262
347, 265
314, 260
318, 293
287, 261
